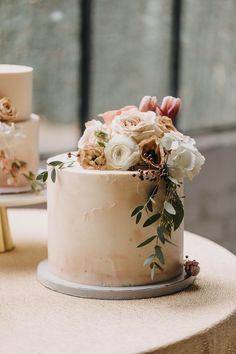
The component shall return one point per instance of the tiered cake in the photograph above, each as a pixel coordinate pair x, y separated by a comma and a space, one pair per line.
18, 129
115, 208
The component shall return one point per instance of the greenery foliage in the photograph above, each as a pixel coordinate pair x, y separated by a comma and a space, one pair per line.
168, 219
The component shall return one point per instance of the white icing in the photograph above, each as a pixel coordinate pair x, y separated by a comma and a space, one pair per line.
92, 237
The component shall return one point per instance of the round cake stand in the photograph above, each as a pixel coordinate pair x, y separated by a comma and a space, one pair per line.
15, 200
53, 282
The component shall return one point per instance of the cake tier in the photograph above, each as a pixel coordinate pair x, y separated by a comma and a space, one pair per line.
92, 237
27, 151
16, 84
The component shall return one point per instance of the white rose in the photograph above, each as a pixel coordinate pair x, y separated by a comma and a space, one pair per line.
89, 136
136, 124
184, 159
121, 153
170, 141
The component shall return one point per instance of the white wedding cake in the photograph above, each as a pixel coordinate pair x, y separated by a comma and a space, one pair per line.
115, 208
19, 130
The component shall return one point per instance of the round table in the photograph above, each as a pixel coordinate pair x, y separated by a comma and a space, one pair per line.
34, 319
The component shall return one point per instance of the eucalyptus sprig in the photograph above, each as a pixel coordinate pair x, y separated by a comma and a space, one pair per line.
52, 171
169, 218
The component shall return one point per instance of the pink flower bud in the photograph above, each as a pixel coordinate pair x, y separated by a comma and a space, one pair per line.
148, 103
170, 107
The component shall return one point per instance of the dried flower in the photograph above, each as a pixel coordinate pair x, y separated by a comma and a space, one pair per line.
164, 125
7, 110
152, 152
191, 267
92, 157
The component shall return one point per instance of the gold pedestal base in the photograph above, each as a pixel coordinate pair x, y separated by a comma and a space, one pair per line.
6, 243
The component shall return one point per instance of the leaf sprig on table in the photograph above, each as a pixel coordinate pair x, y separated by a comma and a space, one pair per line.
168, 219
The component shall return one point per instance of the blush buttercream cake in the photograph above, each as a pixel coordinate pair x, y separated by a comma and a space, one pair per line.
19, 129
115, 207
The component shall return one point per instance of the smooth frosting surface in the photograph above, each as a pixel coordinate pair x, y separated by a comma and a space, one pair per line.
16, 84
27, 151
92, 237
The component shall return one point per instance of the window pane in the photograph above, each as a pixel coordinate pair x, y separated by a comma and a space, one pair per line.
208, 67
131, 51
44, 34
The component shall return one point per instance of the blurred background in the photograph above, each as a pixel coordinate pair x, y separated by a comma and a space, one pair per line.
90, 56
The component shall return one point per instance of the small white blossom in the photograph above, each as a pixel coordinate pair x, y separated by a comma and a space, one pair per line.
184, 159
89, 137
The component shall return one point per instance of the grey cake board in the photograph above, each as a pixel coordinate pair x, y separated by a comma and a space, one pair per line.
53, 282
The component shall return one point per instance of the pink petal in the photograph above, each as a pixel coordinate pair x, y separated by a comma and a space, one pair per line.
110, 115
148, 103
170, 106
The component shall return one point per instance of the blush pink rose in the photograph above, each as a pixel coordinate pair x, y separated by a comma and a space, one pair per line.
110, 115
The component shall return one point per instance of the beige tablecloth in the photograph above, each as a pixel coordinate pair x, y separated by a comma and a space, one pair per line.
34, 319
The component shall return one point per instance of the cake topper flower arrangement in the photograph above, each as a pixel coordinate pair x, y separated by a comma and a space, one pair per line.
10, 137
143, 140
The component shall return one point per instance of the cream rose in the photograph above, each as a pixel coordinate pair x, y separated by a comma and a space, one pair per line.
121, 153
184, 159
7, 111
90, 136
135, 124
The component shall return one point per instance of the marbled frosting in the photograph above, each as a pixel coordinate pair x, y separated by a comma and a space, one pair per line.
92, 237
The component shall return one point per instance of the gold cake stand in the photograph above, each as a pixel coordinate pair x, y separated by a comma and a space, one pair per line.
15, 200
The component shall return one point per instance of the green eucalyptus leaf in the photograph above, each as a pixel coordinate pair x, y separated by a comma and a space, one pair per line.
55, 163
161, 231
152, 219
149, 205
159, 254
169, 208
138, 217
148, 240
53, 175
149, 260
153, 191
40, 176
45, 176
137, 210
178, 217
158, 266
